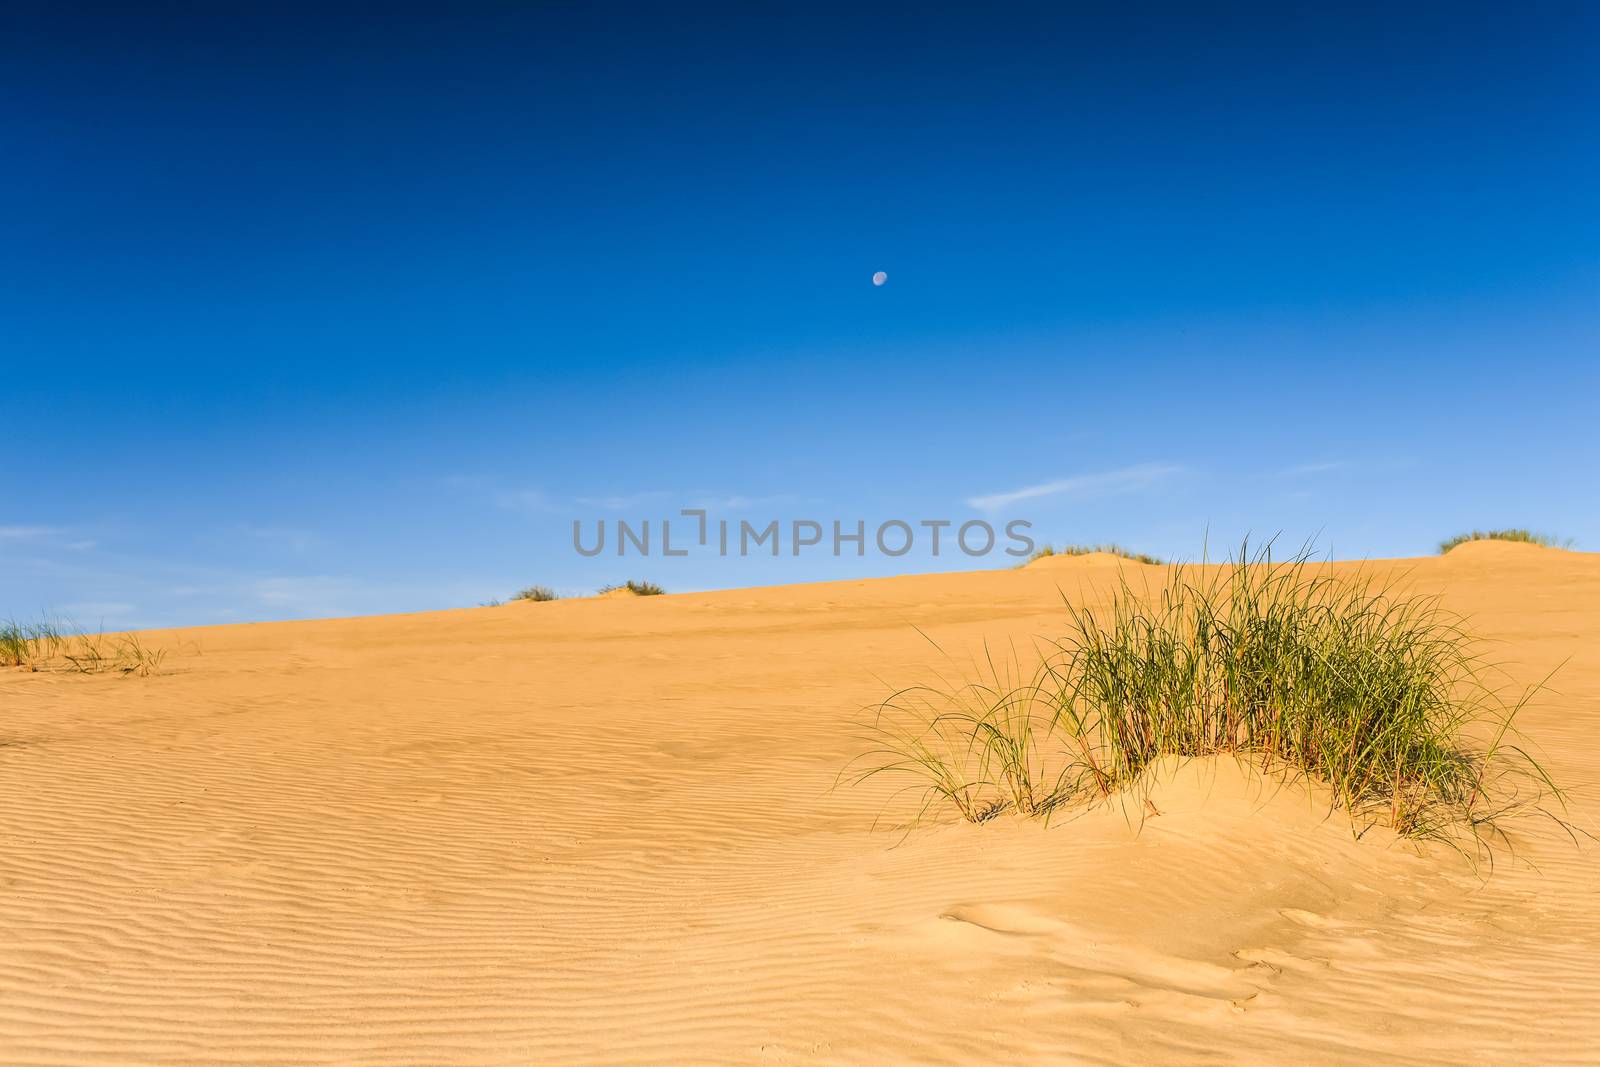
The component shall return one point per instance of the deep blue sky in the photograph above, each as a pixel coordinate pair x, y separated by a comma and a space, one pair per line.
329, 309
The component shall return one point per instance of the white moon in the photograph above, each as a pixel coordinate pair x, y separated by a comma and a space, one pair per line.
879, 278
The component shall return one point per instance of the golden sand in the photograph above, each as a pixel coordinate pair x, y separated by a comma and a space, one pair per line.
603, 832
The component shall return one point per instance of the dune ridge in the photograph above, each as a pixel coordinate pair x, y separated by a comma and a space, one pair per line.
604, 832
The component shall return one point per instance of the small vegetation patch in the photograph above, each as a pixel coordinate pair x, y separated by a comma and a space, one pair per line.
1085, 550
1526, 536
537, 593
636, 588
1380, 695
46, 646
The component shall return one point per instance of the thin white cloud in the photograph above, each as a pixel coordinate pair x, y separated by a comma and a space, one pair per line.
622, 502
726, 503
1124, 480
714, 502
487, 489
703, 499
25, 533
1305, 469
294, 540
98, 609
536, 501
47, 537
527, 501
309, 595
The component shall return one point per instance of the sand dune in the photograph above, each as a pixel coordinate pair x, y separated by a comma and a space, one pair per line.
602, 832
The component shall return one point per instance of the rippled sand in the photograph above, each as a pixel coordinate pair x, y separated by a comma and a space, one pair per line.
603, 832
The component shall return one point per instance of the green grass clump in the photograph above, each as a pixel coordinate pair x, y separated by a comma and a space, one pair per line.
28, 644
47, 646
1084, 550
537, 593
1379, 695
1526, 536
636, 588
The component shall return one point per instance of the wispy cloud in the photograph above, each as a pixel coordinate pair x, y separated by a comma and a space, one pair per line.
294, 540
623, 502
1124, 480
26, 533
1305, 469
483, 488
726, 503
45, 537
527, 501
97, 609
539, 502
309, 595
326, 596
712, 501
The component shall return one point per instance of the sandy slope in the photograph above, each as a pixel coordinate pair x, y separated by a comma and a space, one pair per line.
602, 832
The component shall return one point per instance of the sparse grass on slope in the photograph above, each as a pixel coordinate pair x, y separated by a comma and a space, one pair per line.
1379, 695
46, 646
537, 593
1527, 536
636, 588
1084, 550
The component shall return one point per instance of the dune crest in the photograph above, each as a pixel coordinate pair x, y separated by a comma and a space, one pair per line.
1082, 559
1488, 549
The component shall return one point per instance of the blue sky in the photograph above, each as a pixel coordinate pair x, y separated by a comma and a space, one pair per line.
335, 309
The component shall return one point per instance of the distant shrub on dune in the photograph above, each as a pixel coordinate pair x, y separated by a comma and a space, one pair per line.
1085, 550
1526, 536
636, 588
536, 593
1291, 665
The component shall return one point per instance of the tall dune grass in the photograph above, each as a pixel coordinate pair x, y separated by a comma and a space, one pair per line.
24, 644
47, 645
1381, 696
1525, 536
